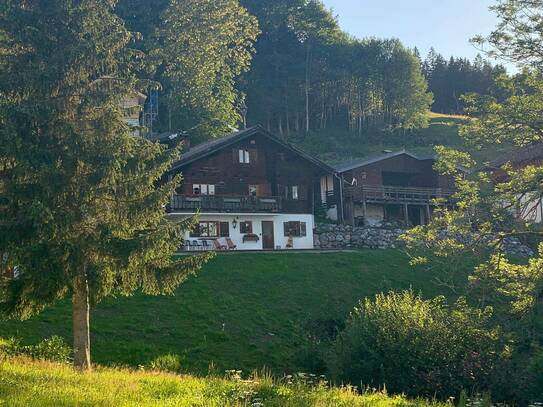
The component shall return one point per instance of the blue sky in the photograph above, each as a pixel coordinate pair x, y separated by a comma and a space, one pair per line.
447, 25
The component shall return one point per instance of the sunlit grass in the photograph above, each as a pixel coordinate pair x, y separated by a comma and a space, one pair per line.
27, 383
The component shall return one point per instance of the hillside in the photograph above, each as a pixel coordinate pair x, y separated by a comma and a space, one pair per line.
335, 147
243, 311
25, 384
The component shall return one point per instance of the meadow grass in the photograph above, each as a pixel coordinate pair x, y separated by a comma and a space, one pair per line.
337, 146
242, 311
25, 383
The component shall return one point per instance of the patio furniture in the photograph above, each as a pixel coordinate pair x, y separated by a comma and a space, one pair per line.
290, 243
194, 245
218, 246
206, 245
230, 244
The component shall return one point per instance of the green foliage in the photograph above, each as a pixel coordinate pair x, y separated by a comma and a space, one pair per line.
308, 75
166, 363
197, 51
496, 202
449, 80
82, 198
416, 346
53, 349
25, 383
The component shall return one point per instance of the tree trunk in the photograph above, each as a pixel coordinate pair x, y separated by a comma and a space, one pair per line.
307, 85
81, 323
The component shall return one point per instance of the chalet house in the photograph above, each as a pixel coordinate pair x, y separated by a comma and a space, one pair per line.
529, 208
392, 187
252, 191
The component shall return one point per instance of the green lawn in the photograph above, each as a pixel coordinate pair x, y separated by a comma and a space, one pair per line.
27, 384
243, 311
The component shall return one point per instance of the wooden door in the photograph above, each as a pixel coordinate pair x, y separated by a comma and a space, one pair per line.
268, 241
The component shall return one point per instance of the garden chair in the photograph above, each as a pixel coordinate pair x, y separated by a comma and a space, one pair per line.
218, 246
290, 243
230, 244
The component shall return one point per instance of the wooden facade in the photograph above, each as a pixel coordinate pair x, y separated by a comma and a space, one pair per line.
393, 187
251, 172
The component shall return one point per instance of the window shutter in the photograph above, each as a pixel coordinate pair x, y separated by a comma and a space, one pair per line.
224, 229
302, 192
303, 229
253, 155
235, 156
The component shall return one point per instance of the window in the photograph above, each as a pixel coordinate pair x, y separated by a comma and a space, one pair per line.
211, 229
203, 189
253, 189
295, 229
246, 227
243, 156
294, 192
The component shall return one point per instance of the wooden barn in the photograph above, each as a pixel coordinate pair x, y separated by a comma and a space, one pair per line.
392, 187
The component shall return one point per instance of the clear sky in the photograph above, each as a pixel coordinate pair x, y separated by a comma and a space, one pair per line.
447, 25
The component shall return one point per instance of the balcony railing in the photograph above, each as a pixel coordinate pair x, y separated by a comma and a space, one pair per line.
226, 203
391, 194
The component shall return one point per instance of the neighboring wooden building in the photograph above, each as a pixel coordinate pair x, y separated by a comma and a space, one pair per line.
252, 188
395, 186
528, 208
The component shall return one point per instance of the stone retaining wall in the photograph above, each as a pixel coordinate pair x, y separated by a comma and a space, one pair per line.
332, 236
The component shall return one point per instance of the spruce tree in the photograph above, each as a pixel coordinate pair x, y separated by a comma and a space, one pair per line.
81, 199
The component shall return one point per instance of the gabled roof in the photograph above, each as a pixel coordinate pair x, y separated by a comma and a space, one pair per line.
519, 155
371, 160
205, 149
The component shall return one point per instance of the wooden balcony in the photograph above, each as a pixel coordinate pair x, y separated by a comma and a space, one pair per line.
398, 195
229, 204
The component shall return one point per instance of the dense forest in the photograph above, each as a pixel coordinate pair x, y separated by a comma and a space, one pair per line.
287, 65
449, 79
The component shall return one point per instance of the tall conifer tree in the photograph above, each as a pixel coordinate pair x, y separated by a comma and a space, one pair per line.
80, 211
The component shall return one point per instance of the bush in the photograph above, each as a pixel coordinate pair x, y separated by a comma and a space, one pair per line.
53, 349
415, 346
166, 363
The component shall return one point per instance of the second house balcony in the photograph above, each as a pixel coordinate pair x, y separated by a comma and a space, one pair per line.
228, 204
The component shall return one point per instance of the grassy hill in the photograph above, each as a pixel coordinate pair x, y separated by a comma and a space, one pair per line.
243, 311
25, 384
335, 147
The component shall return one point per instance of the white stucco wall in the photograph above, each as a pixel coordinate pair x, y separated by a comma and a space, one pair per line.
302, 242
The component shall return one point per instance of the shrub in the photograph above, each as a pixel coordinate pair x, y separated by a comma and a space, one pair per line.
53, 349
166, 363
415, 346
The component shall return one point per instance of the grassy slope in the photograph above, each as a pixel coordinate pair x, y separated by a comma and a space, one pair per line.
336, 147
27, 384
243, 311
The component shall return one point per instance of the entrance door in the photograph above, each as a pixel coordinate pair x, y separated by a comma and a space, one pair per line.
268, 241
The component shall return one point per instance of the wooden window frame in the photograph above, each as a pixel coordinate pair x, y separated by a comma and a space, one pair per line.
222, 229
246, 227
208, 188
295, 229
